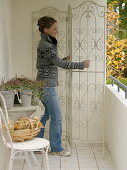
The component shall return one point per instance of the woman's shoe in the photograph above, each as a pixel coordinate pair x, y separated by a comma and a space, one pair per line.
62, 153
38, 152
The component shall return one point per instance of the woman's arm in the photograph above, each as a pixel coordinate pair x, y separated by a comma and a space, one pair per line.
52, 56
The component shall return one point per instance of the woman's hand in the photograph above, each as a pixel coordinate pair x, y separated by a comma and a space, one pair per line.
67, 58
86, 63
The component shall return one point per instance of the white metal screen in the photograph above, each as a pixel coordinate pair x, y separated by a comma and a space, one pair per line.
82, 35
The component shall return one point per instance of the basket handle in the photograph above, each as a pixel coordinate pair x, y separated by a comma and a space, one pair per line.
31, 125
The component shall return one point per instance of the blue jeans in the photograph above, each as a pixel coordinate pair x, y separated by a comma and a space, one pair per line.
53, 111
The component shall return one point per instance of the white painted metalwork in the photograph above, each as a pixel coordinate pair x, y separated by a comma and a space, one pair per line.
88, 42
20, 150
82, 35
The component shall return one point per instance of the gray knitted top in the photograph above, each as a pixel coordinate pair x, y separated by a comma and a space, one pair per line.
48, 61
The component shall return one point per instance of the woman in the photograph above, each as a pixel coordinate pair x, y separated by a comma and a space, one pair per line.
47, 66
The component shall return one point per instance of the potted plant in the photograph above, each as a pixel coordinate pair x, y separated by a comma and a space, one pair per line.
29, 90
8, 91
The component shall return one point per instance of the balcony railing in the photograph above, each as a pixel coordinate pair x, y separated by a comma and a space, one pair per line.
119, 85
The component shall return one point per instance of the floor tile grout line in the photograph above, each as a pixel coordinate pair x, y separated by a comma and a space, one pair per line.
77, 154
77, 157
23, 164
94, 156
60, 164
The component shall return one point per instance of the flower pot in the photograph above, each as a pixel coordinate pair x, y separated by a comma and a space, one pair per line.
9, 98
26, 97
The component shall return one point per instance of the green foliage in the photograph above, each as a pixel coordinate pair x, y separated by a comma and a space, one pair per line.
122, 80
116, 48
108, 81
120, 7
116, 57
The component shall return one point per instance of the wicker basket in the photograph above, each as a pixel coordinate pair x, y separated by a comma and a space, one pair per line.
25, 129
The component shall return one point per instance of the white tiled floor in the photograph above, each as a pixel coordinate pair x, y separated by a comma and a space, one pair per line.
89, 157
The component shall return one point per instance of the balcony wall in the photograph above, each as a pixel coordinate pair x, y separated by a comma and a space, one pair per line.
5, 38
116, 125
5, 55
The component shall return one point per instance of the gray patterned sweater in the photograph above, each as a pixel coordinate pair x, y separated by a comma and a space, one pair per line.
48, 61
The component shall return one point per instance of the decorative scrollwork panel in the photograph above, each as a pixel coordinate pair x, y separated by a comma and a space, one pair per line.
81, 92
61, 18
88, 28
88, 42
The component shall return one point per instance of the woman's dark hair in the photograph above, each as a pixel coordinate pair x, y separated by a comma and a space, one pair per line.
45, 22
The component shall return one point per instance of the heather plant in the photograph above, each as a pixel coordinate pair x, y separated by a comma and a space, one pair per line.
33, 85
29, 84
12, 84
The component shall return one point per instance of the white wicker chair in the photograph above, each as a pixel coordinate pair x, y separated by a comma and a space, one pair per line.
35, 144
